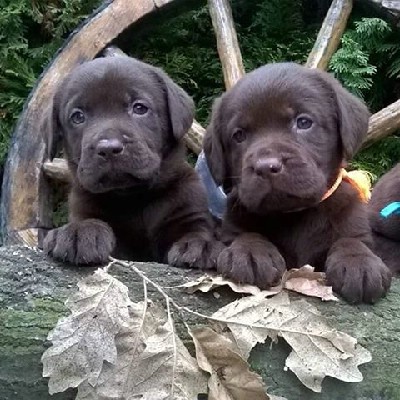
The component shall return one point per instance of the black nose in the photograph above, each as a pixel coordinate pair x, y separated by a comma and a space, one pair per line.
109, 147
267, 166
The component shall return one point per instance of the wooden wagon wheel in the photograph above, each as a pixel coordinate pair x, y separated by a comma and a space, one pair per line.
26, 205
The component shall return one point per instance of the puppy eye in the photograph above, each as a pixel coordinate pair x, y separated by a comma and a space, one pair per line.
78, 117
239, 135
140, 108
304, 123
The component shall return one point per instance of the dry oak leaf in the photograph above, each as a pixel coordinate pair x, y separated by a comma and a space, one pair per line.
85, 339
302, 280
317, 349
207, 283
152, 363
308, 282
231, 378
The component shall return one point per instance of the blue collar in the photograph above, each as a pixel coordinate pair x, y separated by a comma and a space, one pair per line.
215, 194
391, 208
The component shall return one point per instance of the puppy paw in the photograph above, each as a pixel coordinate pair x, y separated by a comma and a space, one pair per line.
356, 273
252, 259
194, 251
81, 243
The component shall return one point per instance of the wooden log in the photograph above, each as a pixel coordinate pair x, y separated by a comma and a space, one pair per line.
33, 291
26, 194
383, 123
227, 42
329, 36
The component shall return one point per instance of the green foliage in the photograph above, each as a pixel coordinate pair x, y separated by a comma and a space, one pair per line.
30, 34
368, 60
378, 158
368, 64
276, 32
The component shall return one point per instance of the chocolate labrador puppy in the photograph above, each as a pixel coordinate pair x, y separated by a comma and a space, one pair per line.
384, 211
133, 194
276, 143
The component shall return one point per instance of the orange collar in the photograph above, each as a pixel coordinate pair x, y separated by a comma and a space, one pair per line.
333, 188
358, 179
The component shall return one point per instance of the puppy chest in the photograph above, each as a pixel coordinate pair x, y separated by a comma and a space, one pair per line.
304, 240
131, 232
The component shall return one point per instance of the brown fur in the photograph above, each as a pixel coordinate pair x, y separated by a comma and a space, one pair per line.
275, 173
133, 194
386, 231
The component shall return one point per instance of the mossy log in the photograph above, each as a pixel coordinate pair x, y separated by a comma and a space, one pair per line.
32, 294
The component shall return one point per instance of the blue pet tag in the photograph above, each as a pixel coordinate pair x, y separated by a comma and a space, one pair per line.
215, 194
391, 208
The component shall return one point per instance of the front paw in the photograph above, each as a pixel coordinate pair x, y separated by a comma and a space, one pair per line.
356, 273
252, 259
81, 243
195, 251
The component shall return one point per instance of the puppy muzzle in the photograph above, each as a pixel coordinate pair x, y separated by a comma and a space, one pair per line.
110, 163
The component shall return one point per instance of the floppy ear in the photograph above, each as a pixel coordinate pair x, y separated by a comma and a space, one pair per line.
212, 145
51, 133
50, 129
181, 108
353, 116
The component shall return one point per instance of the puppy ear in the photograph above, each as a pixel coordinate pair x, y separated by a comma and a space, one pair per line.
181, 108
50, 126
51, 131
353, 116
212, 145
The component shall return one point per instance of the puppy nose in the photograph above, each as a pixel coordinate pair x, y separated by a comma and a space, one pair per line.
109, 147
266, 166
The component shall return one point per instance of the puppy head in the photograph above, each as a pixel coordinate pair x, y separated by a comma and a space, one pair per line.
281, 134
119, 120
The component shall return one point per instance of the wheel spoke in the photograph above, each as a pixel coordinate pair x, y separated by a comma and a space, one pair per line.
227, 42
57, 170
383, 123
329, 36
194, 138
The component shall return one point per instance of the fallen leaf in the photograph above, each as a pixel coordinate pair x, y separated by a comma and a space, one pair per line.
152, 363
207, 283
308, 282
231, 378
317, 349
302, 280
85, 339
247, 312
311, 374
